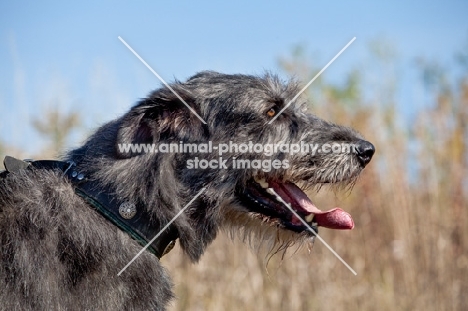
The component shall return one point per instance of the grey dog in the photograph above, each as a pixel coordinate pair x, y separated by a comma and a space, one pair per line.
68, 227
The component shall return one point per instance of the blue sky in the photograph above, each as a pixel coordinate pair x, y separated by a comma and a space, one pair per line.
68, 54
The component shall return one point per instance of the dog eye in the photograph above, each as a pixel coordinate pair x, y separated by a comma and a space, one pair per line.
271, 112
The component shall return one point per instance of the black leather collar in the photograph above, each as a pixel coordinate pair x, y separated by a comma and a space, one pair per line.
131, 217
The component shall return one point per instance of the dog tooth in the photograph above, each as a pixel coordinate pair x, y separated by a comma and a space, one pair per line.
273, 192
261, 181
309, 218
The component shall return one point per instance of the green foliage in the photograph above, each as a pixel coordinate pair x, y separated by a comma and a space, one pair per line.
57, 126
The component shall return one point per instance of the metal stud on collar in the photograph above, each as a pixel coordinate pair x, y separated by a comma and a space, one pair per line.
127, 210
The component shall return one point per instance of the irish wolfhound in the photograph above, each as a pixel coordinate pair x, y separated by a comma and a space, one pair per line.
68, 227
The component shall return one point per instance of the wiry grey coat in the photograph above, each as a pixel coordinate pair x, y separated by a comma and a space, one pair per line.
58, 253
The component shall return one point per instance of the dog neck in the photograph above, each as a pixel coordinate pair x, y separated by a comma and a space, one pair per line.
131, 217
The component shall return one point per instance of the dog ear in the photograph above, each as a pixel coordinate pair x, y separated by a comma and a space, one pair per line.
161, 117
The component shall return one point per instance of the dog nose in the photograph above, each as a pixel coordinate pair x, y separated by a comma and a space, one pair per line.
364, 150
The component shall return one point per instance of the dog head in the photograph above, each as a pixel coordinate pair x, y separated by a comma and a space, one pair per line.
247, 141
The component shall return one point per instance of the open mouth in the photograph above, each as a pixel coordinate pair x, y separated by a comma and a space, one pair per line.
266, 197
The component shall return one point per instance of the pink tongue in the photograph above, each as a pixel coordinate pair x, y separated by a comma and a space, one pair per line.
335, 218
